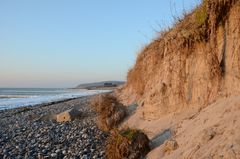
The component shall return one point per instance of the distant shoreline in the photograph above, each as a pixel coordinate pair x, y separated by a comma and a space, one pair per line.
109, 85
24, 98
95, 88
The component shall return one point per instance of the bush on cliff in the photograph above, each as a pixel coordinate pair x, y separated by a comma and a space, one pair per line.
127, 143
110, 111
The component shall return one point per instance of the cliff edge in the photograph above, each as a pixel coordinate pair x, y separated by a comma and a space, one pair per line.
185, 86
193, 63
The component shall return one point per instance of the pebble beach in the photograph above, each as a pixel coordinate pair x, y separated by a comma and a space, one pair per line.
26, 133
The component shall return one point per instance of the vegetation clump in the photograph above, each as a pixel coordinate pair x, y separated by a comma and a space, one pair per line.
127, 143
110, 111
201, 14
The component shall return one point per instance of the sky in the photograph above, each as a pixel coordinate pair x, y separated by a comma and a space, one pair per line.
62, 43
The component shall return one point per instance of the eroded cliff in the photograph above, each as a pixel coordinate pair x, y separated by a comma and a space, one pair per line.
192, 64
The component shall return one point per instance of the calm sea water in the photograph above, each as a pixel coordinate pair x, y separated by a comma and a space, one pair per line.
19, 97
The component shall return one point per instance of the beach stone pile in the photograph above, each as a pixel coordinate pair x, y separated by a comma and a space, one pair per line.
25, 134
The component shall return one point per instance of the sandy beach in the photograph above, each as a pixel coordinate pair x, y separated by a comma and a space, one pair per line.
27, 133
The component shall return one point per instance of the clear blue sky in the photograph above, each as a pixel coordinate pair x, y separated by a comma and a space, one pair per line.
61, 43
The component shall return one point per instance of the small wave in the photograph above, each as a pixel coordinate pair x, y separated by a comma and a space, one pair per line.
12, 101
15, 96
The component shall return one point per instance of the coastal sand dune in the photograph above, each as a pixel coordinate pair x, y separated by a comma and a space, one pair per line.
186, 86
191, 64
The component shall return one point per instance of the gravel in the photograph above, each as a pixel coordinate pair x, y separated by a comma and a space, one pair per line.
27, 133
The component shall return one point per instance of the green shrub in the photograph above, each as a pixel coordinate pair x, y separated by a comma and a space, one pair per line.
128, 143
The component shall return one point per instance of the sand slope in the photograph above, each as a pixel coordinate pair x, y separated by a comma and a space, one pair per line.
212, 132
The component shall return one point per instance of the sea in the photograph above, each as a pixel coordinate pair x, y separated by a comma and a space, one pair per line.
19, 97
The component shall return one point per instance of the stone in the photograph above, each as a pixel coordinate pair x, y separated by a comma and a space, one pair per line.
85, 150
170, 145
53, 155
40, 156
44, 151
84, 157
68, 115
64, 152
85, 136
208, 134
102, 153
58, 151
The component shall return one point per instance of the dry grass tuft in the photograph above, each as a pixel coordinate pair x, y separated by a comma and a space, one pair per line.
128, 143
110, 111
201, 14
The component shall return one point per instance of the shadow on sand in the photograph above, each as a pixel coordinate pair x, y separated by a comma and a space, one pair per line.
160, 139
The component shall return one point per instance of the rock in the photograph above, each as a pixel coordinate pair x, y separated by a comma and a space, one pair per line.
44, 151
64, 152
93, 146
85, 150
40, 156
68, 115
170, 145
102, 153
208, 134
58, 151
85, 136
84, 157
53, 155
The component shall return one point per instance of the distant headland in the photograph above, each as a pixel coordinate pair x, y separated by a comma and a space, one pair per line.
100, 85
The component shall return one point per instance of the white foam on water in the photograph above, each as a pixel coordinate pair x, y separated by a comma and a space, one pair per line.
10, 103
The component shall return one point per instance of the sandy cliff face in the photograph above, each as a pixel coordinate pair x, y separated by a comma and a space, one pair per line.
187, 85
192, 64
